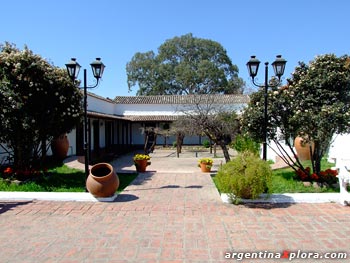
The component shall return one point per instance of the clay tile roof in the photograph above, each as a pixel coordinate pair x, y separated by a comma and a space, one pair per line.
151, 117
183, 99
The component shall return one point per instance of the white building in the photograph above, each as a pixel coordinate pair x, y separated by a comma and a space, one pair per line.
117, 125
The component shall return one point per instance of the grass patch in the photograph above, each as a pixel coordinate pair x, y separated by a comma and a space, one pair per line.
60, 179
283, 181
125, 179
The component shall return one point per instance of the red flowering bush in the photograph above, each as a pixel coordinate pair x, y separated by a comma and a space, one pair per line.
303, 175
328, 176
22, 174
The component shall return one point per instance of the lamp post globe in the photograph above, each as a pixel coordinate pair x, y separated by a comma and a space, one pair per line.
73, 68
253, 66
97, 68
279, 65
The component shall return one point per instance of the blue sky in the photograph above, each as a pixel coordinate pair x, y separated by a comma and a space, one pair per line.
116, 29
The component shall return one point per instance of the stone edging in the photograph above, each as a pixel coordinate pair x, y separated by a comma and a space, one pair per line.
53, 196
292, 198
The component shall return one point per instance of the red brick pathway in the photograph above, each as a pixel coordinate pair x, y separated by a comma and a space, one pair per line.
167, 218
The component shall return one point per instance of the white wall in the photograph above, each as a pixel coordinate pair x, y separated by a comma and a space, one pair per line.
102, 126
340, 146
3, 155
72, 150
100, 105
191, 140
270, 153
169, 140
137, 136
145, 109
165, 109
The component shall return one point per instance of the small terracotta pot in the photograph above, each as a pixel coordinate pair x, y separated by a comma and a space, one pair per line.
102, 180
204, 168
141, 165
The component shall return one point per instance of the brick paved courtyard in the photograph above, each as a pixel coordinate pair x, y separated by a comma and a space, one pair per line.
167, 217
173, 213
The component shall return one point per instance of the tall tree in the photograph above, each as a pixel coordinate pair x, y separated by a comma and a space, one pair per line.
38, 102
314, 105
184, 65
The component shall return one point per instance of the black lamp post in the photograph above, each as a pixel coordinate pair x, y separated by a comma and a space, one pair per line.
278, 66
73, 69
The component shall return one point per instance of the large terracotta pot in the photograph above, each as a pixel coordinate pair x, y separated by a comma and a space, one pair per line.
60, 146
102, 180
303, 149
205, 168
141, 165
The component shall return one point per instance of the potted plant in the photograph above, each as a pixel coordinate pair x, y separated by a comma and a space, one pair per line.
141, 161
205, 164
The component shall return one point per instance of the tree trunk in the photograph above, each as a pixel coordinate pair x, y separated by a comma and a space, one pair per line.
225, 151
317, 157
22, 156
43, 149
179, 141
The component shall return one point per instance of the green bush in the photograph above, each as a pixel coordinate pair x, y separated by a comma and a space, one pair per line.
244, 143
246, 176
206, 144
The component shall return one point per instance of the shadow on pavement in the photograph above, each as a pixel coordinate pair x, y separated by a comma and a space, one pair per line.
267, 206
142, 178
6, 206
171, 186
126, 198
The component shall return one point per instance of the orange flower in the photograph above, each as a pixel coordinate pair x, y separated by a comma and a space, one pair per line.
8, 170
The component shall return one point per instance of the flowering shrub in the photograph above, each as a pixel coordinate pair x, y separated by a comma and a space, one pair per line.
23, 174
38, 102
328, 176
314, 105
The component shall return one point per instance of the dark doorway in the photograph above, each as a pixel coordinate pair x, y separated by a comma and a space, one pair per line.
80, 139
96, 136
109, 131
